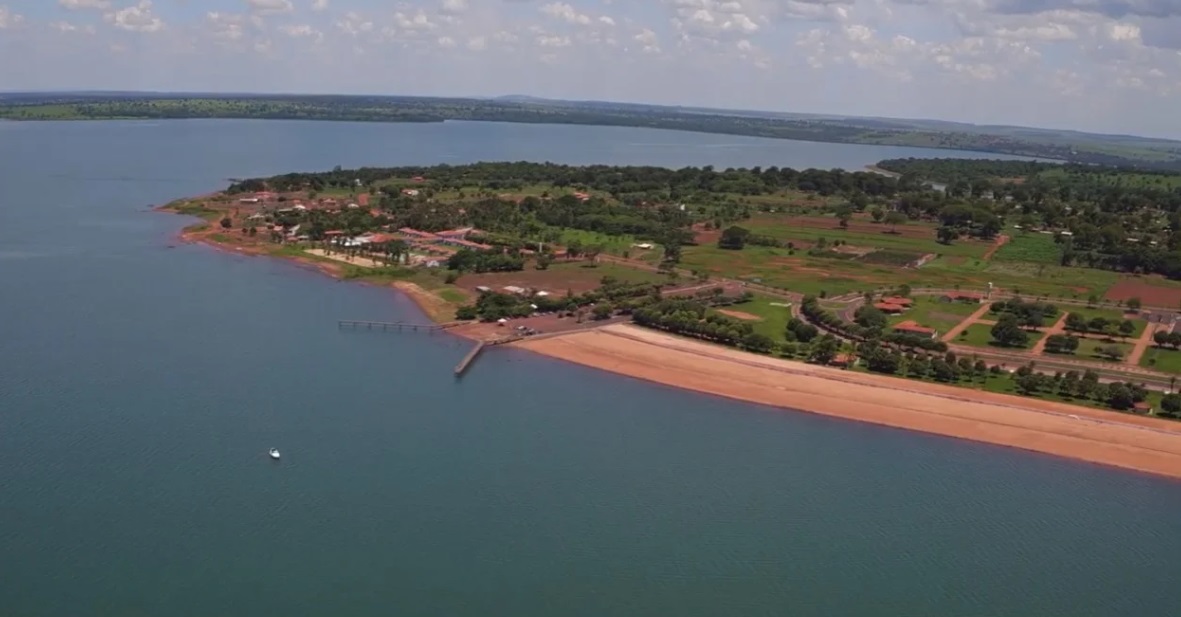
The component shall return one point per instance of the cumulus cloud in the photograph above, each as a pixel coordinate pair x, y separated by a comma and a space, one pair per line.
77, 5
136, 18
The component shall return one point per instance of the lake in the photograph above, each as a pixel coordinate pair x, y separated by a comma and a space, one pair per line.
141, 383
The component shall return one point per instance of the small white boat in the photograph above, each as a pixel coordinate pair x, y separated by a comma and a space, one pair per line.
274, 454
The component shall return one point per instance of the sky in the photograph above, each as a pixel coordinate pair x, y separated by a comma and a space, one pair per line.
1093, 65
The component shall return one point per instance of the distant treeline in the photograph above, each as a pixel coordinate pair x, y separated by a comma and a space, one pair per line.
423, 109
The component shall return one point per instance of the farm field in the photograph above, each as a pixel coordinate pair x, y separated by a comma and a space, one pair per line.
1030, 248
911, 237
980, 335
1162, 359
930, 312
1152, 291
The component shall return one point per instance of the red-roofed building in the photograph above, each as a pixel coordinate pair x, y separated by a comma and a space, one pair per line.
1142, 407
418, 179
580, 196
381, 238
899, 300
892, 309
363, 200
334, 232
911, 327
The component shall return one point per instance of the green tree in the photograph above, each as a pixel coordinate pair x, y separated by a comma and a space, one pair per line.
1126, 328
895, 218
733, 238
1133, 304
844, 213
824, 350
945, 234
1007, 332
1171, 404
877, 213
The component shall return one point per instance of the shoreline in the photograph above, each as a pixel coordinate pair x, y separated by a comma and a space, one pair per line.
1136, 443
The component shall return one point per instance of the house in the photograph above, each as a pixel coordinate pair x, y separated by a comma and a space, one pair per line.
418, 179
967, 297
459, 233
912, 327
892, 309
580, 196
513, 289
843, 360
899, 300
363, 200
410, 192
1143, 407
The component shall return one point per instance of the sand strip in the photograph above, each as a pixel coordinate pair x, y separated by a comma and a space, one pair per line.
1140, 443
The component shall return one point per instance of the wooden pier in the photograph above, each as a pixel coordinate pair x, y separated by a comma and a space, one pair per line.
387, 326
467, 360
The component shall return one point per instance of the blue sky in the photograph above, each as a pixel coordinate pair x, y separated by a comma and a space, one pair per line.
1097, 65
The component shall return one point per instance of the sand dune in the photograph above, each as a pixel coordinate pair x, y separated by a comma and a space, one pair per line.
1133, 442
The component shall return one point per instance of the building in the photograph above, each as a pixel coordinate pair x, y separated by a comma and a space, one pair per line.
410, 192
363, 200
912, 327
899, 300
891, 309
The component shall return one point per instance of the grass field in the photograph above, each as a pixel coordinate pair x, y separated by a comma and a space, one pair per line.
615, 245
1162, 359
1031, 248
980, 335
774, 318
932, 313
1087, 347
782, 228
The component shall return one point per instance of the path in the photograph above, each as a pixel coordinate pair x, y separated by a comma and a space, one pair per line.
963, 325
1142, 344
1001, 240
1058, 328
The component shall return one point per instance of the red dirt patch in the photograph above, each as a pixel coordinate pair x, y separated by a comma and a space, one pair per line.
855, 226
1149, 294
740, 315
1001, 240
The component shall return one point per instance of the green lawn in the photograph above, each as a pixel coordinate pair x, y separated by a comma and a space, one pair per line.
1111, 315
1162, 359
1087, 347
930, 312
774, 318
1030, 247
980, 335
615, 245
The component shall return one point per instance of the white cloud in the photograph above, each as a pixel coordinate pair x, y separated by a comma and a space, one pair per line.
319, 5
454, 6
565, 12
9, 19
78, 5
67, 27
136, 18
270, 6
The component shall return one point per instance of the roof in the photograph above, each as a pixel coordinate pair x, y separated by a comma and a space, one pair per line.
888, 307
899, 300
1143, 406
913, 326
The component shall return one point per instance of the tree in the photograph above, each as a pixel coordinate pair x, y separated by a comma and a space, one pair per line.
870, 317
1110, 352
1061, 343
1075, 323
946, 234
543, 261
226, 223
1133, 304
844, 213
758, 343
467, 311
1171, 404
1161, 338
733, 238
877, 213
1007, 332
1126, 327
824, 350
943, 371
894, 219
1119, 396
602, 310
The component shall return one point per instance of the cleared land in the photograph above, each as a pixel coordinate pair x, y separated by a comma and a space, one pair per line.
1158, 294
1132, 442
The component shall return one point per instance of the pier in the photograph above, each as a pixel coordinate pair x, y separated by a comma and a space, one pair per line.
387, 326
467, 360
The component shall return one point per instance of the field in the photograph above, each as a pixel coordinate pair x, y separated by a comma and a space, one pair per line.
912, 237
1162, 359
1151, 295
1087, 347
980, 335
1031, 248
772, 319
932, 313
576, 276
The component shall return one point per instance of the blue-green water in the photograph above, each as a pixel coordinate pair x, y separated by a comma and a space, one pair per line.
141, 384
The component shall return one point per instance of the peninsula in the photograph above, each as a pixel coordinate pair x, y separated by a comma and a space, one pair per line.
1024, 304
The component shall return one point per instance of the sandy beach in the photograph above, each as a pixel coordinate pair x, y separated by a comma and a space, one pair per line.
1139, 443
